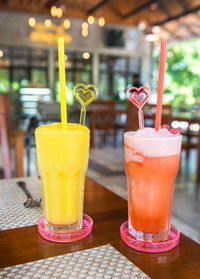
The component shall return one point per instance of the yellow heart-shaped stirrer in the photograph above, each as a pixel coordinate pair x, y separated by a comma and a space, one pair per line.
85, 94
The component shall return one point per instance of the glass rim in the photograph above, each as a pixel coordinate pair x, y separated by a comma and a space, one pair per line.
158, 138
78, 129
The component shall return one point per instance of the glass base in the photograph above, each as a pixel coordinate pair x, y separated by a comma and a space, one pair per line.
86, 229
63, 228
150, 237
146, 246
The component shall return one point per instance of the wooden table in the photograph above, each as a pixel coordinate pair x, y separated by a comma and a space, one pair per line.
108, 211
190, 118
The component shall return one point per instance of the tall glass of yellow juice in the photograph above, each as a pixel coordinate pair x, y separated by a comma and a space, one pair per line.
62, 156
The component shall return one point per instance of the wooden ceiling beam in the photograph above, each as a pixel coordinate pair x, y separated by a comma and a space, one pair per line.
43, 3
12, 3
164, 10
98, 6
51, 3
177, 16
141, 8
184, 4
189, 28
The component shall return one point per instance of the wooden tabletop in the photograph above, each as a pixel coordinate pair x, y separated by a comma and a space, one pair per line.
108, 212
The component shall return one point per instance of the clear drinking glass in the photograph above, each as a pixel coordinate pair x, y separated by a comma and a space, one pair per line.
62, 156
151, 165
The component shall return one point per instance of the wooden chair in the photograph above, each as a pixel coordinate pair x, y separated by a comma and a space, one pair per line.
190, 139
103, 119
150, 113
10, 136
131, 123
131, 118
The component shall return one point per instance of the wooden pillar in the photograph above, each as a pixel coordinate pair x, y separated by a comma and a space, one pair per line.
4, 112
19, 154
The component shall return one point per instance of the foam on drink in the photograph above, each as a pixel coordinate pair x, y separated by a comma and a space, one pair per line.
152, 143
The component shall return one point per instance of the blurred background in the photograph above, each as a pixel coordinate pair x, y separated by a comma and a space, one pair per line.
113, 44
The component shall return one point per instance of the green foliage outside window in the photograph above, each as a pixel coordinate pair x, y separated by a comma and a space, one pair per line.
182, 74
39, 77
4, 81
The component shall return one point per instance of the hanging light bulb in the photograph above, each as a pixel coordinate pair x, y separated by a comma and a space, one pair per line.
1, 53
90, 19
54, 11
84, 32
101, 21
31, 21
67, 23
48, 23
86, 55
59, 12
85, 25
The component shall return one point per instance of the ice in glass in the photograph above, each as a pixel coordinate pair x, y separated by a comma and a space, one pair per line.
151, 164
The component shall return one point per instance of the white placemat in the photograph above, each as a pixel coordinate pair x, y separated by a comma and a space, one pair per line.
101, 262
13, 214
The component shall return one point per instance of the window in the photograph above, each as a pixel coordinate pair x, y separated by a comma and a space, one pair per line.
21, 67
116, 75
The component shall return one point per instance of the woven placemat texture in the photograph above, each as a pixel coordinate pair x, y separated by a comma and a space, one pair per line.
100, 262
13, 214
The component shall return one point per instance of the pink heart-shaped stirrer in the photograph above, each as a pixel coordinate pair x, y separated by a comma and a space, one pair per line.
139, 97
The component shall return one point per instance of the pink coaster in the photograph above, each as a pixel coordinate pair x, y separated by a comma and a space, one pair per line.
66, 237
162, 246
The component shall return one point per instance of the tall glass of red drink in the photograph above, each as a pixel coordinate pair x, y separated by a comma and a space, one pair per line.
151, 164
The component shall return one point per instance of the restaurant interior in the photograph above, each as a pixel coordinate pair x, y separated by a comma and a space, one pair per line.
114, 45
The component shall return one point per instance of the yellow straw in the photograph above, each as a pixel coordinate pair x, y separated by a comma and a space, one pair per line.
63, 105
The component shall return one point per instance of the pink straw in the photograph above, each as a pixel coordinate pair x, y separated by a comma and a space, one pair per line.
160, 85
